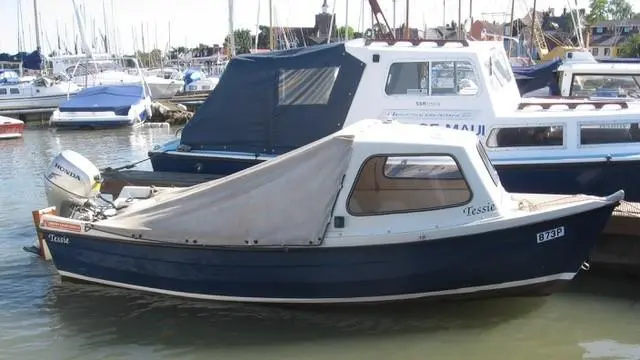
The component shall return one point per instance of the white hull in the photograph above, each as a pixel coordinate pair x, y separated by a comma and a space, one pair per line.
34, 102
164, 91
138, 114
10, 136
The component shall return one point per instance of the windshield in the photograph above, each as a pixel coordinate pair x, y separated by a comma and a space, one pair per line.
487, 163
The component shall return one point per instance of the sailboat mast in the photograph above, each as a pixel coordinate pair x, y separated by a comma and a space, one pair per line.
232, 36
533, 26
106, 28
513, 4
346, 20
406, 23
270, 25
37, 26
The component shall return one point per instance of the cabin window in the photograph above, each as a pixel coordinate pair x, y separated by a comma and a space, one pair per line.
306, 86
3, 91
487, 163
618, 86
607, 51
595, 134
526, 136
400, 184
14, 91
438, 78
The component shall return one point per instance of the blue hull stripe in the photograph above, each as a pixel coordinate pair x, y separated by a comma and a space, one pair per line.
498, 257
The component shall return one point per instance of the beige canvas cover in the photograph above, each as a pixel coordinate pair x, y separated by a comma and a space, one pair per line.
284, 201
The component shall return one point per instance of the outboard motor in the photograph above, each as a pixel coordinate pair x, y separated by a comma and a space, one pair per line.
71, 182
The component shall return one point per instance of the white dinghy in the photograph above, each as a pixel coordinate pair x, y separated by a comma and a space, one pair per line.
379, 211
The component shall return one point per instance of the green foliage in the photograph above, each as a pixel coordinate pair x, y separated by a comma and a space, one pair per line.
619, 10
597, 11
243, 41
601, 10
348, 30
631, 48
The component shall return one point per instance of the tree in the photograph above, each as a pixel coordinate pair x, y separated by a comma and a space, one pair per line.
242, 38
348, 30
631, 48
620, 10
598, 11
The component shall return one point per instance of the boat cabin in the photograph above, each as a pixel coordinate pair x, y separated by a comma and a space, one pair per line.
371, 178
300, 95
400, 172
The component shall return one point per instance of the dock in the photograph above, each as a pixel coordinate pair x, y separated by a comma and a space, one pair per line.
618, 250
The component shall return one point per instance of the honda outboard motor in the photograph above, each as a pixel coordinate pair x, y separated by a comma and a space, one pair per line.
71, 181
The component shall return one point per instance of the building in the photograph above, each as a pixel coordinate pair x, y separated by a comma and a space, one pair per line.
607, 37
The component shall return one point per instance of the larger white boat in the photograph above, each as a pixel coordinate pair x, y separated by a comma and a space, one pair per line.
41, 93
557, 146
380, 211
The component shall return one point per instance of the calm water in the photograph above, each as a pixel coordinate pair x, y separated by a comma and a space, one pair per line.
40, 318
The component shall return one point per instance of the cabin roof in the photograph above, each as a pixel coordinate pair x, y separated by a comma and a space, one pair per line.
383, 133
471, 47
596, 68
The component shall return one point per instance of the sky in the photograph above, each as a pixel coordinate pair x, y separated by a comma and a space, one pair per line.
207, 21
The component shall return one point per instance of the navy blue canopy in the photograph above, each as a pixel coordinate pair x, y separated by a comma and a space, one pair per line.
534, 77
32, 61
117, 98
276, 102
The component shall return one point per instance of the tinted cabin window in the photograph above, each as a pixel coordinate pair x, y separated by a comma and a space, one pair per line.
593, 134
605, 86
408, 184
438, 78
306, 86
526, 136
3, 91
14, 91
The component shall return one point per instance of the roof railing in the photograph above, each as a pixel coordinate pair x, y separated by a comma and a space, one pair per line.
598, 105
416, 42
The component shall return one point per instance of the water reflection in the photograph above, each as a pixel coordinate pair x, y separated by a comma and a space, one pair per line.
114, 317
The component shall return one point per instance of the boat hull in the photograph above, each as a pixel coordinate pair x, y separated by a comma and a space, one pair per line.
10, 129
35, 102
507, 261
594, 178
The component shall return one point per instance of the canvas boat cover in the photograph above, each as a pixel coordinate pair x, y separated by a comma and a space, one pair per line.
284, 201
275, 102
534, 77
117, 98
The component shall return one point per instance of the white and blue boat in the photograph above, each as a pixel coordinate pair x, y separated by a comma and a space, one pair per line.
268, 104
104, 107
379, 211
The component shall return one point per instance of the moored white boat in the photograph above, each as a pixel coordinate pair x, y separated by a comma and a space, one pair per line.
104, 107
361, 215
41, 93
557, 146
10, 128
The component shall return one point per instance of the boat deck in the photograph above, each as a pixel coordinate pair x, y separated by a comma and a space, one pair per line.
114, 181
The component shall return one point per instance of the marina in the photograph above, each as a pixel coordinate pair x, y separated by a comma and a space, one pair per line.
355, 189
594, 317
